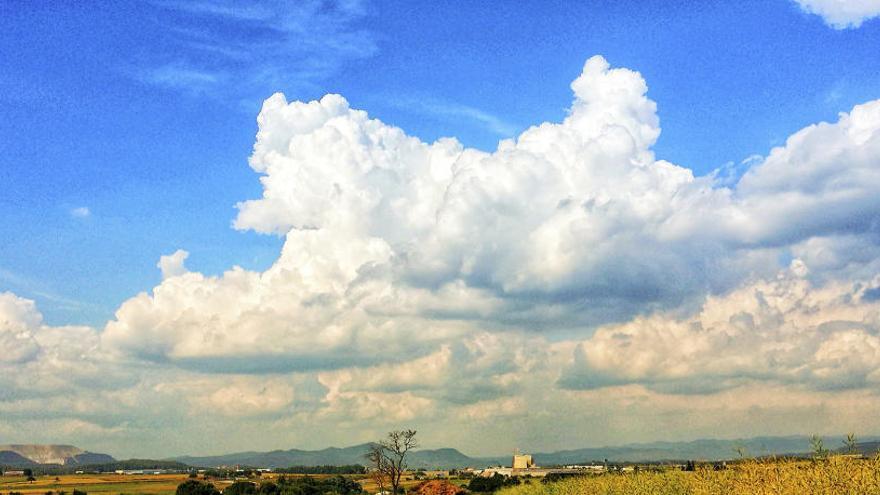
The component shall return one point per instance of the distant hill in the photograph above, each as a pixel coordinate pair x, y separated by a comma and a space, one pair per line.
864, 448
63, 455
708, 450
333, 456
9, 458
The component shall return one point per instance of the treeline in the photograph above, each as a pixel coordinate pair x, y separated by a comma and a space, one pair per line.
131, 464
109, 467
337, 485
325, 469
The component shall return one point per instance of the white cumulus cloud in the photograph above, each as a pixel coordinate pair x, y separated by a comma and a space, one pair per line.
842, 14
434, 284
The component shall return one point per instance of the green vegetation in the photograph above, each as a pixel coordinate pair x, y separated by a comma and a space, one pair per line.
194, 487
305, 485
491, 484
327, 469
241, 488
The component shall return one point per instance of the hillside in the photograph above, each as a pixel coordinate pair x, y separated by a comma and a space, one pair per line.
13, 459
420, 459
864, 448
50, 454
708, 450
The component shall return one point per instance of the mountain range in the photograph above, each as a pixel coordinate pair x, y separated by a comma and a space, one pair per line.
35, 455
422, 459
23, 456
709, 450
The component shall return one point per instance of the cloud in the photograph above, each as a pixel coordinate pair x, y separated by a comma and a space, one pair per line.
393, 246
779, 331
80, 212
842, 14
18, 320
437, 285
455, 111
221, 47
172, 265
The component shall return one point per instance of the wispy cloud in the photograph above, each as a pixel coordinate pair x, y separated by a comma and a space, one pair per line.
450, 111
223, 47
81, 212
26, 285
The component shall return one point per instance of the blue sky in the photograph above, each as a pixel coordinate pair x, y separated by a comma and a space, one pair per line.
132, 111
193, 263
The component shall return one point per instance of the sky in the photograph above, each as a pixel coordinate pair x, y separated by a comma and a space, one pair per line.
254, 226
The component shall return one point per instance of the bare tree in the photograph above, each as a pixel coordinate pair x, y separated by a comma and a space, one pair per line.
388, 458
376, 456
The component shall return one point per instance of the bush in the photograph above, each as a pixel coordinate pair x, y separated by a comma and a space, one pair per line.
306, 485
194, 487
241, 488
486, 485
269, 488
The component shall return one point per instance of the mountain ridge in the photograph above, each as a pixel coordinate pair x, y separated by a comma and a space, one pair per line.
700, 449
25, 455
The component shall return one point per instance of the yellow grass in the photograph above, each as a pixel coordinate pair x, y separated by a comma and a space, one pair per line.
105, 484
834, 476
147, 484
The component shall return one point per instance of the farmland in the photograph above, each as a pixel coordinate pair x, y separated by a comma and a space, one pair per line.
118, 484
110, 484
837, 475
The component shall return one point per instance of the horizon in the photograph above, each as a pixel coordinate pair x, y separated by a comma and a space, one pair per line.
548, 224
861, 440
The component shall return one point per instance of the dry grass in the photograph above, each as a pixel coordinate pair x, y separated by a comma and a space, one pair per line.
833, 476
108, 484
148, 484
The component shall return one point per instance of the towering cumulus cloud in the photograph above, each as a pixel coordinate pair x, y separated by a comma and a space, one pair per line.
430, 282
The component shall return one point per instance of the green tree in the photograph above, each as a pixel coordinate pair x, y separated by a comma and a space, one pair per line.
851, 443
241, 488
269, 488
817, 444
195, 487
484, 484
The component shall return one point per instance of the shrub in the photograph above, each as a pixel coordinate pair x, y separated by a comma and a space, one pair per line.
194, 487
241, 488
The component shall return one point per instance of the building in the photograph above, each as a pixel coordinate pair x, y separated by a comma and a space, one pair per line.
522, 461
13, 473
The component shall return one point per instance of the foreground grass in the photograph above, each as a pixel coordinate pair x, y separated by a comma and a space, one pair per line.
833, 476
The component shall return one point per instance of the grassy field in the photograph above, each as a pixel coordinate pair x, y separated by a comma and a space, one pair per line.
834, 476
109, 484
118, 484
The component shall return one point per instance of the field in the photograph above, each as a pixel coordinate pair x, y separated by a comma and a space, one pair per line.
118, 484
109, 484
834, 476
838, 475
